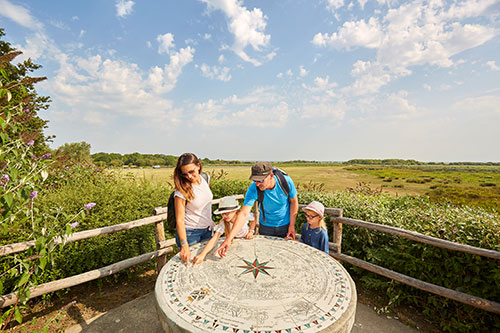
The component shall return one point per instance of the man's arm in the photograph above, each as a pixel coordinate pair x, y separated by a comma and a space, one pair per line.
240, 220
294, 208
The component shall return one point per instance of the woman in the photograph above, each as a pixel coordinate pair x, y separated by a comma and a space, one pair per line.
193, 205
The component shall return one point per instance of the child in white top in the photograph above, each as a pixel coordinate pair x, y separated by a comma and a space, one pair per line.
229, 209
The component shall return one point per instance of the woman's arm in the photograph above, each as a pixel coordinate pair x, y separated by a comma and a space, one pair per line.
180, 213
210, 245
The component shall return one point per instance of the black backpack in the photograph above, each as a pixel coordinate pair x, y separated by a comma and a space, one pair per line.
171, 221
280, 174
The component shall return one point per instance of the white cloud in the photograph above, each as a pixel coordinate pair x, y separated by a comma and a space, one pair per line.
247, 27
20, 15
335, 4
492, 65
484, 104
362, 3
427, 87
124, 8
303, 72
207, 36
82, 33
352, 34
262, 108
414, 34
221, 59
166, 42
164, 80
214, 72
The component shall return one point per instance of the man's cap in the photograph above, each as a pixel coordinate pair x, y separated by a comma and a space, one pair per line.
261, 170
227, 204
316, 207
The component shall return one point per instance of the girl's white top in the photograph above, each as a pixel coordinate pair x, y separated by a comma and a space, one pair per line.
199, 210
243, 232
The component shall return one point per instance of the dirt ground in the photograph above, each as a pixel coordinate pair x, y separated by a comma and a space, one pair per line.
86, 301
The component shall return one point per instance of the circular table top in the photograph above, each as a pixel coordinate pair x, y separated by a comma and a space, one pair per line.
264, 284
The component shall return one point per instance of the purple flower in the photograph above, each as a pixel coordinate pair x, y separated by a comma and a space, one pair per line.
33, 157
89, 206
33, 194
30, 143
26, 110
5, 179
73, 225
46, 156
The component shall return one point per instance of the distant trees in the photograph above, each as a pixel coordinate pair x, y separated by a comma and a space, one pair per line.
135, 159
76, 151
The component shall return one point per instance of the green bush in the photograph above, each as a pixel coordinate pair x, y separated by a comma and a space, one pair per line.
463, 272
118, 200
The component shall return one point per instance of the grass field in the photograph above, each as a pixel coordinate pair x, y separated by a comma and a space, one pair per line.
478, 186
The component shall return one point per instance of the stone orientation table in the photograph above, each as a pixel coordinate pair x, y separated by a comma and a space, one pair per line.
262, 285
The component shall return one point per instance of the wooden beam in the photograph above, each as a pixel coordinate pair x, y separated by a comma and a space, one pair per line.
163, 210
71, 281
329, 211
477, 302
420, 237
19, 247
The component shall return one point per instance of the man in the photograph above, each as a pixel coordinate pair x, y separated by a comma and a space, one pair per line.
278, 210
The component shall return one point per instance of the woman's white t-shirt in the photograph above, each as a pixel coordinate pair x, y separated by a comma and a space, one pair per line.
199, 210
243, 232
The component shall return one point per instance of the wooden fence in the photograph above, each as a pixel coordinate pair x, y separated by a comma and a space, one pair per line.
336, 246
164, 247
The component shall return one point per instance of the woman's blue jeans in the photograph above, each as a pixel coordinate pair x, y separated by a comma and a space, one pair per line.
194, 236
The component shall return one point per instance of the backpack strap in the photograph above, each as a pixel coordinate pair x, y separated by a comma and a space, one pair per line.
206, 176
280, 174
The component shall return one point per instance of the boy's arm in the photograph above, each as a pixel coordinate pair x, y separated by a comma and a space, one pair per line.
210, 245
240, 220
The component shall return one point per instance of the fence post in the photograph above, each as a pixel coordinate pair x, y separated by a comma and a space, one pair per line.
337, 232
159, 237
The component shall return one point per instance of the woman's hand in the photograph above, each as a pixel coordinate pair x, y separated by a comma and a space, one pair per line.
185, 254
249, 234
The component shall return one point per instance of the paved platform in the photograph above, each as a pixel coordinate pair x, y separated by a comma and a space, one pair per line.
140, 315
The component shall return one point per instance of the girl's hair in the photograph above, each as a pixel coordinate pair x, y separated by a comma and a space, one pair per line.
182, 184
322, 224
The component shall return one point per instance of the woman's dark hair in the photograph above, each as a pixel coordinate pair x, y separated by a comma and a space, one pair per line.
182, 184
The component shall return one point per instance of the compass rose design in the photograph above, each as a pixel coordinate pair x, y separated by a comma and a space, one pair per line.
255, 267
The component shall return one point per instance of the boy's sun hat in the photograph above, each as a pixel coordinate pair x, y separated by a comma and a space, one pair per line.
316, 207
227, 204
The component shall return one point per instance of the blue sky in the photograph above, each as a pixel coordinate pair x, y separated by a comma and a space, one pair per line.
326, 80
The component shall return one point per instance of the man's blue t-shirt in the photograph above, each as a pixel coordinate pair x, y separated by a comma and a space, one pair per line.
317, 237
276, 203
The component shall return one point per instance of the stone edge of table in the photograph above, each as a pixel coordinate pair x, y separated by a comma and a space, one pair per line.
343, 324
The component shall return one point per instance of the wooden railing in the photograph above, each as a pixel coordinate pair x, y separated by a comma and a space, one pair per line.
336, 246
163, 248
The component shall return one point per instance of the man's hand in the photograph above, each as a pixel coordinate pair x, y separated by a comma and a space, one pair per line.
185, 254
222, 249
249, 235
291, 233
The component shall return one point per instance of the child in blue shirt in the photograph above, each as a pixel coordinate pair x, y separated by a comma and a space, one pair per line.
314, 231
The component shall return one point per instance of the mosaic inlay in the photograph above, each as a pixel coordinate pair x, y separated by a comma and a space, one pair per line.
263, 285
